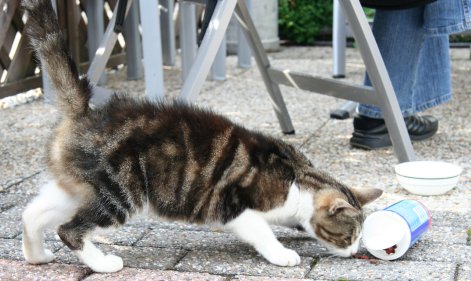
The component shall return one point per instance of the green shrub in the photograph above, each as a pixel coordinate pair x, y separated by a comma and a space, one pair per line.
460, 38
300, 21
370, 13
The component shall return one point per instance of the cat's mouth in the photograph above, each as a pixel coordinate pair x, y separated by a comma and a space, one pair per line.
343, 252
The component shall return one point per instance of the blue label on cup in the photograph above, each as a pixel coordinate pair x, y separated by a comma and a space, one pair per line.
415, 214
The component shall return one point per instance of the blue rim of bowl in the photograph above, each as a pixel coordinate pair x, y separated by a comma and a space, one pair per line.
428, 178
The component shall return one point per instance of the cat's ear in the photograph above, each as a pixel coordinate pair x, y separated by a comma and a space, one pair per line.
367, 195
340, 205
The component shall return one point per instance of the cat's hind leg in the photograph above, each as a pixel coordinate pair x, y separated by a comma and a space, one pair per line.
52, 207
252, 228
75, 232
97, 260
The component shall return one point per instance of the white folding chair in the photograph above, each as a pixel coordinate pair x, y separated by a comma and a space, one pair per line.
381, 94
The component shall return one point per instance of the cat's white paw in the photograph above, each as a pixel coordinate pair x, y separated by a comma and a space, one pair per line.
284, 257
108, 264
45, 257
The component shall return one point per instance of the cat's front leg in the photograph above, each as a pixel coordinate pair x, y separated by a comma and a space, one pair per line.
253, 229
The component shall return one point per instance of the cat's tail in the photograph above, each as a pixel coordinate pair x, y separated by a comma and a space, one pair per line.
72, 93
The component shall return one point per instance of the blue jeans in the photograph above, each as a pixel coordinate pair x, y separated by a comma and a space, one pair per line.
415, 49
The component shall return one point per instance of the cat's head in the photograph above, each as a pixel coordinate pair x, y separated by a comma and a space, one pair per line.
338, 218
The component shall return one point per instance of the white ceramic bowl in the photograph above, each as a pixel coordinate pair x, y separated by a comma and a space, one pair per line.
427, 177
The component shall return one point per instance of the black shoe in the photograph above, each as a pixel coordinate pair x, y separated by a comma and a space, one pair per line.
371, 133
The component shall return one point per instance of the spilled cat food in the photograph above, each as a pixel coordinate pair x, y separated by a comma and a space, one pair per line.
361, 257
391, 250
365, 257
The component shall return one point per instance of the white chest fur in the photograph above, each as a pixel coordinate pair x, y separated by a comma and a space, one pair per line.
297, 210
253, 226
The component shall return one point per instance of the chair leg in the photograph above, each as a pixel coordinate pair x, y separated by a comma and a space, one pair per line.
188, 44
168, 33
152, 49
207, 51
103, 52
338, 42
218, 69
135, 69
244, 54
344, 111
263, 64
95, 30
377, 72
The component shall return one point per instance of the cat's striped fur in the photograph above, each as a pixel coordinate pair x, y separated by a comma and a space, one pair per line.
180, 162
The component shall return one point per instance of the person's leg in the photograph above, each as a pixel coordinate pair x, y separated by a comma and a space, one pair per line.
405, 51
433, 83
445, 17
429, 82
433, 80
399, 35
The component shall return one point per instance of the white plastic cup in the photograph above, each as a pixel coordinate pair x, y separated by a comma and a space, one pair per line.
389, 233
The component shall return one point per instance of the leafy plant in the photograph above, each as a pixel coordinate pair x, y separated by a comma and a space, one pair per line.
370, 13
300, 21
465, 38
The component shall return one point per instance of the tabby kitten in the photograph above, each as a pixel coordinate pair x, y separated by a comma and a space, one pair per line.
177, 161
